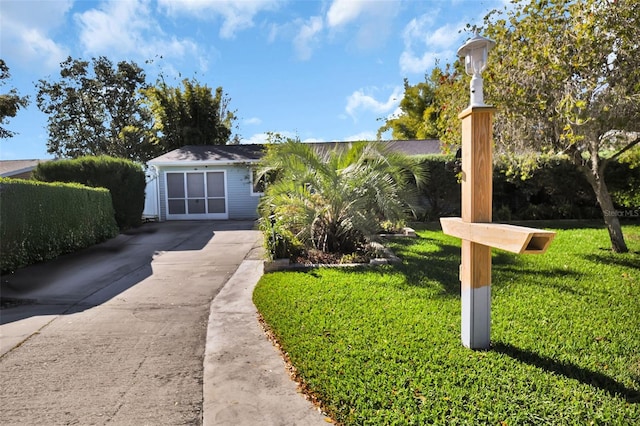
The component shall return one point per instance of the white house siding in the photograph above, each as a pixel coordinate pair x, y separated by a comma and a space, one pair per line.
240, 203
151, 196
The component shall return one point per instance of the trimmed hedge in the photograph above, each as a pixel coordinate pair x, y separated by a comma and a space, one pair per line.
124, 178
441, 193
556, 190
40, 221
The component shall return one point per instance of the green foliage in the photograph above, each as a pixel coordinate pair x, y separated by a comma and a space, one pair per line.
555, 189
334, 201
279, 241
624, 180
552, 188
452, 97
97, 110
189, 116
429, 109
441, 194
382, 345
569, 67
565, 76
123, 178
418, 114
40, 221
10, 102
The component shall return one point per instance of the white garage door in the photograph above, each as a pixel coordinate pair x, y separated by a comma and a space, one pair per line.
196, 195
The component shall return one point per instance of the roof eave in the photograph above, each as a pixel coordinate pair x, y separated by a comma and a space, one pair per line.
184, 163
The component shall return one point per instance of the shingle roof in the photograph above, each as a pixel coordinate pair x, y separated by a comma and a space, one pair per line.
10, 168
409, 147
416, 147
219, 153
253, 152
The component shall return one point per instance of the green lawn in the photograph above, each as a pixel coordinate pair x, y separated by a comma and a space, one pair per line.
382, 345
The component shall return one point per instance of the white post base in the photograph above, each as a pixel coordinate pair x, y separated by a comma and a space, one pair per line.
476, 317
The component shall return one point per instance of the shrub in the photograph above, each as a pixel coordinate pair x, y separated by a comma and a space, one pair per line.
623, 180
334, 201
40, 221
555, 190
441, 193
123, 178
279, 241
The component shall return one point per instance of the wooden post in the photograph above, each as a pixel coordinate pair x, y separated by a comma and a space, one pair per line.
475, 271
475, 229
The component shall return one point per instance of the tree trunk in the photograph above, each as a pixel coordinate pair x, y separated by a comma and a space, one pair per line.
596, 179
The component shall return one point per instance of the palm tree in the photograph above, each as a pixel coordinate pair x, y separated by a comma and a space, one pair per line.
334, 200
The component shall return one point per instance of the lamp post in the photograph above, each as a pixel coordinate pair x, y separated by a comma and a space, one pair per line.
475, 229
475, 52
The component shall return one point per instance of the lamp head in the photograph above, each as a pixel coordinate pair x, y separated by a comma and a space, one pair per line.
475, 52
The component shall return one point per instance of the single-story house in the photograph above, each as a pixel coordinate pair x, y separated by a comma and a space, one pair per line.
217, 181
18, 169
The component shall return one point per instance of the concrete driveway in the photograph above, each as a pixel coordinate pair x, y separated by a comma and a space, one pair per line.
177, 253
117, 333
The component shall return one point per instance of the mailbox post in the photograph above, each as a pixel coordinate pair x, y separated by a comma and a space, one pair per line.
475, 229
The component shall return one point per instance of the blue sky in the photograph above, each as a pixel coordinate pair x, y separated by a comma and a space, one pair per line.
321, 70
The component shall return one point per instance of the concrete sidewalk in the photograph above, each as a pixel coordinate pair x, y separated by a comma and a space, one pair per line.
156, 327
245, 381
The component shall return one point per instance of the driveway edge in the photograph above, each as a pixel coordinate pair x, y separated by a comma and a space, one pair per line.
245, 381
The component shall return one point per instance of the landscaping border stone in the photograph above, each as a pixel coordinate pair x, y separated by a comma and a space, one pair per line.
386, 256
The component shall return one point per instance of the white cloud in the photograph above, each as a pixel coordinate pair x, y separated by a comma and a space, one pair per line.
342, 12
264, 137
252, 121
37, 45
116, 24
432, 43
362, 136
417, 28
236, 15
363, 24
361, 101
410, 63
128, 28
307, 37
372, 20
255, 138
445, 37
25, 32
396, 113
312, 140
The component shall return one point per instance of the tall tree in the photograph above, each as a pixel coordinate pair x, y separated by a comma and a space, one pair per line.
565, 75
429, 109
95, 108
191, 115
418, 113
451, 98
10, 102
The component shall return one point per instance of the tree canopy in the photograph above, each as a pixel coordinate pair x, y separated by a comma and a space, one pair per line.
95, 108
565, 75
191, 115
417, 116
10, 102
429, 109
565, 78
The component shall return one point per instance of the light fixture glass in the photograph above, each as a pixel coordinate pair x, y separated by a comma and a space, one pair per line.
475, 52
